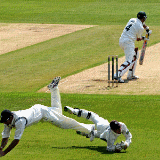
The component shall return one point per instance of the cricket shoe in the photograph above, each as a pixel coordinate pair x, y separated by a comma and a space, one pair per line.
54, 83
68, 109
115, 76
132, 77
92, 134
120, 80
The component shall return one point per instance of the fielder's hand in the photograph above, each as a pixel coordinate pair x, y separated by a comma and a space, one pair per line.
123, 145
118, 147
1, 153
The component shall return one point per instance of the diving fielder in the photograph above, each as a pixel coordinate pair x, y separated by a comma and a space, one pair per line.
103, 129
132, 32
24, 118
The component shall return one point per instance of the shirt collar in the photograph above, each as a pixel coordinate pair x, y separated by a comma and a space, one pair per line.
139, 21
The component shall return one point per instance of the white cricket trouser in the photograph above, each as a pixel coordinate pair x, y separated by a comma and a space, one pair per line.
130, 54
100, 123
54, 115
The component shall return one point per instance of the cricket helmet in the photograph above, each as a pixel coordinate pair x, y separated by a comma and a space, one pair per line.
5, 115
141, 15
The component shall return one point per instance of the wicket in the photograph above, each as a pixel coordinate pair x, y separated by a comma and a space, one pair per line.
109, 80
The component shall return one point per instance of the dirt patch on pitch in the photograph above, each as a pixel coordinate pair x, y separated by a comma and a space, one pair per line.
18, 35
90, 81
94, 80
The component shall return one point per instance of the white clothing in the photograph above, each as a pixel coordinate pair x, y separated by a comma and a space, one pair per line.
132, 68
103, 130
128, 48
25, 118
131, 32
110, 136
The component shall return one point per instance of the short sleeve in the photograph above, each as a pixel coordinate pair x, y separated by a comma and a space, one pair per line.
6, 131
20, 126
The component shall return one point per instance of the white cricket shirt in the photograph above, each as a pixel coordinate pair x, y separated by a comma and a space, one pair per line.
132, 30
23, 119
111, 136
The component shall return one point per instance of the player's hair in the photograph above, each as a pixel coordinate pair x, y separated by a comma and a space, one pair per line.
114, 125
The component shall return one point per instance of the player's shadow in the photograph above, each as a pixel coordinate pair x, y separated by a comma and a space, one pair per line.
101, 149
127, 80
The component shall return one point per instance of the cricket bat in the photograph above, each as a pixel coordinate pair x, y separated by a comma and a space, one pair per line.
143, 50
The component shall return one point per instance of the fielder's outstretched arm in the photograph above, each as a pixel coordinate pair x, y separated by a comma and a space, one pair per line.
4, 143
11, 146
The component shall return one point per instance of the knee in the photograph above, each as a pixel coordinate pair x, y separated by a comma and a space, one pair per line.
136, 55
126, 64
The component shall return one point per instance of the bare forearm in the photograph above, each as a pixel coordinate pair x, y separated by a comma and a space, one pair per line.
11, 146
145, 26
139, 39
4, 143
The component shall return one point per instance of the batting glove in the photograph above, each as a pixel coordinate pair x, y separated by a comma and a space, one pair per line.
149, 32
144, 38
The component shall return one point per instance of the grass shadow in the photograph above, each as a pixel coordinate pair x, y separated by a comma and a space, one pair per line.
101, 149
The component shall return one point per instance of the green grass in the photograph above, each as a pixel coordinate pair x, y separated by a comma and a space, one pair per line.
24, 71
31, 68
45, 141
115, 12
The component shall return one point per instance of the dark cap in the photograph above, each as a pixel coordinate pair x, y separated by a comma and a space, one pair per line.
5, 115
114, 125
141, 15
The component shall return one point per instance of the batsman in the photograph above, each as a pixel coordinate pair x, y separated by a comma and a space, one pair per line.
133, 31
